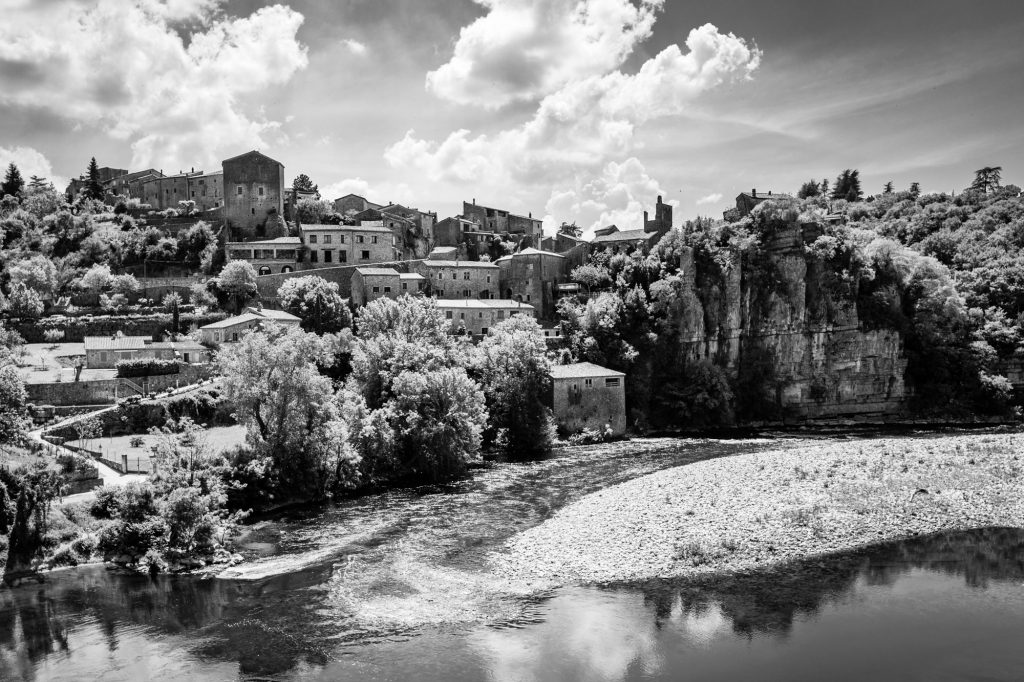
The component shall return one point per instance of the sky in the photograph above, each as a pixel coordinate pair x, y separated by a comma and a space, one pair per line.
571, 110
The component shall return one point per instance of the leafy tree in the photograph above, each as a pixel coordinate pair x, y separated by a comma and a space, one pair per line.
37, 184
847, 186
571, 229
591, 276
199, 295
93, 186
96, 279
987, 179
515, 375
30, 491
809, 189
13, 184
915, 189
13, 400
238, 280
172, 302
24, 301
37, 273
316, 302
824, 188
316, 212
888, 189
302, 183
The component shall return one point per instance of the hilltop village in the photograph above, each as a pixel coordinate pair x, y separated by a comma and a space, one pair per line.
183, 349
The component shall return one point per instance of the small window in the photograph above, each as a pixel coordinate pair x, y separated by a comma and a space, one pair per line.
387, 290
359, 239
365, 255
193, 194
483, 330
455, 275
376, 290
587, 382
448, 314
344, 256
611, 382
373, 240
465, 275
261, 191
312, 256
440, 275
405, 286
327, 239
238, 190
254, 211
462, 316
341, 239
312, 239
488, 279
527, 298
480, 315
327, 256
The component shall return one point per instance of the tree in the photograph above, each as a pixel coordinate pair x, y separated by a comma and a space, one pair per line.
824, 187
238, 280
13, 400
915, 189
809, 189
987, 179
124, 285
96, 279
591, 276
847, 186
515, 375
13, 184
93, 186
31, 489
199, 295
37, 273
571, 229
302, 183
315, 212
172, 302
24, 302
316, 302
38, 184
888, 188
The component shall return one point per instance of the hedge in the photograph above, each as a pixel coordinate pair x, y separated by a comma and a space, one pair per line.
144, 367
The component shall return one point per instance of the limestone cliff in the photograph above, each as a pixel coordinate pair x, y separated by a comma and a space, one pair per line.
786, 330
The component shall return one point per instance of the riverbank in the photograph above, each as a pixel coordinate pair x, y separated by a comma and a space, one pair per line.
763, 509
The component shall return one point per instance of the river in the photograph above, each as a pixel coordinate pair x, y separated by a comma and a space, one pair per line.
397, 586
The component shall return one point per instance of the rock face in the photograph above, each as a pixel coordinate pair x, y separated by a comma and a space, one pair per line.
785, 327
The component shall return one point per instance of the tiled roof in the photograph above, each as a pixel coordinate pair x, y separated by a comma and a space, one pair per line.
459, 264
410, 275
377, 271
185, 344
344, 228
116, 342
582, 370
766, 195
279, 241
232, 321
624, 236
483, 304
271, 314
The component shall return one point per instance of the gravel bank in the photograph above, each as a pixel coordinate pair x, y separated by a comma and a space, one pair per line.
761, 509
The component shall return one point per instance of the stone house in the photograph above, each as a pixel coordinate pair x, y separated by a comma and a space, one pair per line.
351, 204
253, 189
104, 352
268, 256
460, 279
233, 328
746, 201
330, 245
588, 396
477, 316
532, 276
624, 241
499, 221
369, 284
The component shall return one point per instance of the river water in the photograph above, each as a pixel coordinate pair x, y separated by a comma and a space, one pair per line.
396, 587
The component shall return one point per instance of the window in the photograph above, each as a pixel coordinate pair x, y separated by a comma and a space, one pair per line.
480, 315
448, 314
327, 239
376, 290
344, 256
234, 336
359, 239
387, 290
312, 256
187, 359
455, 275
238, 190
462, 316
466, 293
501, 314
327, 256
261, 191
364, 255
440, 275
193, 194
341, 239
483, 330
312, 239
527, 298
373, 240
588, 382
611, 382
254, 211
488, 279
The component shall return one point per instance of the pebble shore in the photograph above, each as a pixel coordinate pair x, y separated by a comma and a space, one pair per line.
762, 509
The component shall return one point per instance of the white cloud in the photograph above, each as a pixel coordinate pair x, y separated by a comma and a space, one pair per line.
525, 49
346, 186
618, 195
712, 198
355, 47
586, 122
127, 69
30, 162
378, 193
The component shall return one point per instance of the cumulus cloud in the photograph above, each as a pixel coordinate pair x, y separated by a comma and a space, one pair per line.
712, 198
525, 49
617, 195
355, 47
133, 70
30, 162
346, 186
587, 121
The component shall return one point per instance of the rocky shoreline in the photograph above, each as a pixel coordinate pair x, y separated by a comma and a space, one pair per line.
764, 509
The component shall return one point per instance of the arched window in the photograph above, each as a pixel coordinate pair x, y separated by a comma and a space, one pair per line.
286, 268
264, 270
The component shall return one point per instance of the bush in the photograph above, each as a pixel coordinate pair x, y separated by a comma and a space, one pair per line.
144, 367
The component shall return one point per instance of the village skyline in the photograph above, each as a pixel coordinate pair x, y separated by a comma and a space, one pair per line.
722, 98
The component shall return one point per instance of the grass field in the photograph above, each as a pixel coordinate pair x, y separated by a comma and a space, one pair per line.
219, 438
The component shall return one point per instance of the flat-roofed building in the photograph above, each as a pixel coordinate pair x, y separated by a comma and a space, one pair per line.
104, 352
476, 317
588, 396
330, 245
460, 279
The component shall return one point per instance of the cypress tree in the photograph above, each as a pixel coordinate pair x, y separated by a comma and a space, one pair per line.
13, 183
93, 187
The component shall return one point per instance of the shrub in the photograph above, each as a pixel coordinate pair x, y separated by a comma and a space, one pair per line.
136, 441
144, 367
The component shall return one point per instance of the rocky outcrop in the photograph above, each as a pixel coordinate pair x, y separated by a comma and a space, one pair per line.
785, 324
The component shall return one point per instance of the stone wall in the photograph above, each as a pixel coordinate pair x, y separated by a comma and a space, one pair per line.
108, 391
267, 285
77, 328
577, 407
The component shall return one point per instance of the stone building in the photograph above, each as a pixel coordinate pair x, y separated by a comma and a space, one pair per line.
369, 284
351, 204
130, 185
104, 352
746, 201
207, 190
533, 276
460, 279
253, 188
476, 317
624, 241
499, 221
367, 243
413, 229
233, 328
268, 256
588, 396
